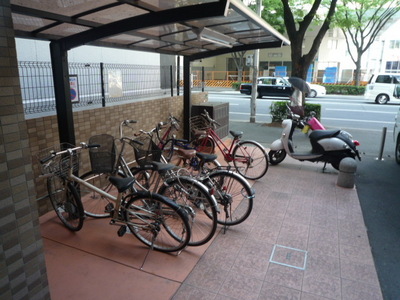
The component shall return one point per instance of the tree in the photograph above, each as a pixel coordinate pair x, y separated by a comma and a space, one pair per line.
361, 22
238, 58
296, 22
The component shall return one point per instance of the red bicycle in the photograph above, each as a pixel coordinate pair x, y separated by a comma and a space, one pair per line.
248, 157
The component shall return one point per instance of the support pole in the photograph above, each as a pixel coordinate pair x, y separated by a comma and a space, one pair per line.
384, 130
59, 63
186, 98
253, 110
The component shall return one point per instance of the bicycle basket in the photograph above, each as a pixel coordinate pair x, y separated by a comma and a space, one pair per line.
147, 152
199, 123
102, 159
59, 165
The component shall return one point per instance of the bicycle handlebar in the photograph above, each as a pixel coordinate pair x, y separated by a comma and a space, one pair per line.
69, 151
207, 116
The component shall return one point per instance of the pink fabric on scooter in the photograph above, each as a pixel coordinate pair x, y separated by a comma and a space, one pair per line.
315, 124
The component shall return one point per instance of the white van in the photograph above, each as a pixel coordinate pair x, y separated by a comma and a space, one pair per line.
382, 88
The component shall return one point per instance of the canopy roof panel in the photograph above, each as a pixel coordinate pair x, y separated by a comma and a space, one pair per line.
191, 28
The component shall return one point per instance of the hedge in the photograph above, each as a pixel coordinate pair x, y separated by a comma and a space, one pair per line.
279, 111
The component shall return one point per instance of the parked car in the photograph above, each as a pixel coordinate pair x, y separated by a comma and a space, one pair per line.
381, 88
396, 137
316, 90
279, 87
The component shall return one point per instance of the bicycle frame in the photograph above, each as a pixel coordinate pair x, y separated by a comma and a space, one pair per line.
225, 151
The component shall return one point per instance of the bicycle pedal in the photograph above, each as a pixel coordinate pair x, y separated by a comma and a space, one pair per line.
121, 231
109, 208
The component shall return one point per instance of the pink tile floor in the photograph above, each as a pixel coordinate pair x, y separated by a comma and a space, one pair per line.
305, 239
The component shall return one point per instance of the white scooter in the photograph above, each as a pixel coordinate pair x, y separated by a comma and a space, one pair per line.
328, 146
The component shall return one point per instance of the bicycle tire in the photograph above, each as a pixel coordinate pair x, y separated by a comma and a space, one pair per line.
250, 159
234, 196
169, 153
201, 207
204, 144
94, 204
66, 202
156, 221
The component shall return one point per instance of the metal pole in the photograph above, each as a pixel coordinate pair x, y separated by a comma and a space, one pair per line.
103, 93
382, 143
171, 81
255, 75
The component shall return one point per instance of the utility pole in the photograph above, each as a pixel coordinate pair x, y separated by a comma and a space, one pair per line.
256, 60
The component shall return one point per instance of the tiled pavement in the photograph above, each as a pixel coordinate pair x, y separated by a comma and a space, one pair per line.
305, 239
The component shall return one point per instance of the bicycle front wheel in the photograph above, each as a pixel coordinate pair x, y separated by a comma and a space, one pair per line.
194, 197
157, 222
233, 194
204, 145
66, 202
250, 160
96, 205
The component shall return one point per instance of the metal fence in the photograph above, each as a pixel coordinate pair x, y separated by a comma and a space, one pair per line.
94, 84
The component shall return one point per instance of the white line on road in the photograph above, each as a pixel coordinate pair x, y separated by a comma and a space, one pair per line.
362, 111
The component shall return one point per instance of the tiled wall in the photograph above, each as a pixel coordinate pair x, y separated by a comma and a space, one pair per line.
22, 267
43, 132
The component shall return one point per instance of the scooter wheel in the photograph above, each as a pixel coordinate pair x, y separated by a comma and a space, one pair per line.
276, 156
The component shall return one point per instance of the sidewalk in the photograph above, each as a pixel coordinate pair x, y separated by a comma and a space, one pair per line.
305, 239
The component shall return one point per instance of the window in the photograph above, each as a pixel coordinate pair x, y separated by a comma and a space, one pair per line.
392, 66
394, 44
332, 44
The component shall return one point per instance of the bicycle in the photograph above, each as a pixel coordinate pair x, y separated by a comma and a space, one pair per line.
232, 192
248, 157
193, 197
185, 190
152, 218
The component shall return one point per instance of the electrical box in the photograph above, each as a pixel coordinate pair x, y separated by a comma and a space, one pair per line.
249, 60
219, 111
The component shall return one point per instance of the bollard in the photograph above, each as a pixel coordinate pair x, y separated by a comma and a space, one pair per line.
382, 143
347, 170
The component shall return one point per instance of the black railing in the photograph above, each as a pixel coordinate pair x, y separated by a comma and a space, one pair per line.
94, 84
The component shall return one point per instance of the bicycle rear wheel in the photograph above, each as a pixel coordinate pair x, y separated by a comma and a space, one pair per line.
95, 205
250, 160
194, 197
233, 194
157, 222
66, 202
204, 145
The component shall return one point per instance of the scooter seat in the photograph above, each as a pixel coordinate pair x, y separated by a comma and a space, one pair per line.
236, 134
323, 134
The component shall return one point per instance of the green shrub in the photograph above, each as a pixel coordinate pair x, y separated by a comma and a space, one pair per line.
236, 86
279, 111
344, 89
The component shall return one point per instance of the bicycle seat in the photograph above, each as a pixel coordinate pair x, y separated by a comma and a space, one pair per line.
206, 157
122, 184
197, 132
236, 134
161, 167
186, 153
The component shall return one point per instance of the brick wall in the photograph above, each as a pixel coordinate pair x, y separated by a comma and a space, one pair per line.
22, 269
43, 132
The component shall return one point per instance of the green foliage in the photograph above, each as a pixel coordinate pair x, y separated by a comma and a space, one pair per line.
236, 85
278, 110
345, 89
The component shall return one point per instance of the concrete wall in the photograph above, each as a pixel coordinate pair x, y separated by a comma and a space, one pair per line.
43, 132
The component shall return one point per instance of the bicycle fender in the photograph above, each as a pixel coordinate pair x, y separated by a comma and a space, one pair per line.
277, 145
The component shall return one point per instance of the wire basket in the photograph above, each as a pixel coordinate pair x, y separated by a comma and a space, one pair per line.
102, 159
147, 152
199, 123
59, 165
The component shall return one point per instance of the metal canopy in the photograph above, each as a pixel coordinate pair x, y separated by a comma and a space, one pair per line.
192, 28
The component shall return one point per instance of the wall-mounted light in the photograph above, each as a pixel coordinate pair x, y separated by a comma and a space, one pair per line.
215, 37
